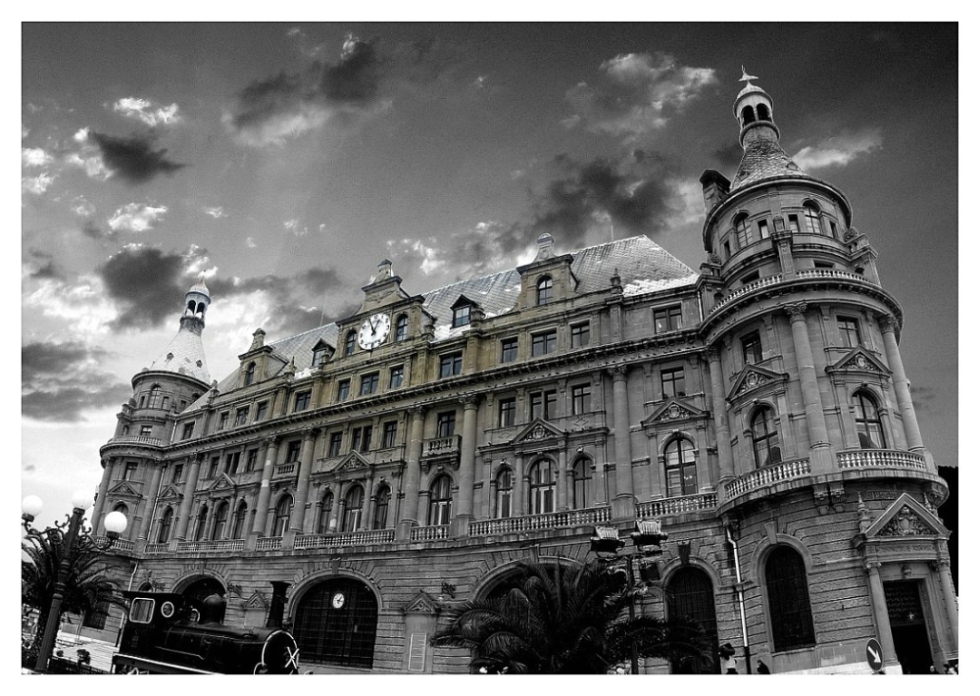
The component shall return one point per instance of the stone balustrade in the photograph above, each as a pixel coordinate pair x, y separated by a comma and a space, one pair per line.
677, 506
439, 446
137, 440
268, 544
880, 458
810, 273
833, 273
746, 289
551, 520
438, 531
365, 538
210, 546
774, 473
284, 470
157, 548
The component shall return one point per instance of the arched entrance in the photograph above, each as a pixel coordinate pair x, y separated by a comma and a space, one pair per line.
689, 593
335, 623
203, 588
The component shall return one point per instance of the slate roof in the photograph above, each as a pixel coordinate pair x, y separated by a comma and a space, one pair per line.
765, 159
186, 350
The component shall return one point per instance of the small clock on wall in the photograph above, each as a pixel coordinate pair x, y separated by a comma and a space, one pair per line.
374, 331
338, 600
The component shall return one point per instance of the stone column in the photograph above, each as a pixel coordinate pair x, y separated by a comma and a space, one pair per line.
821, 458
467, 468
265, 489
185, 505
624, 504
949, 599
410, 511
303, 482
519, 502
96, 520
151, 501
909, 423
880, 610
723, 437
562, 483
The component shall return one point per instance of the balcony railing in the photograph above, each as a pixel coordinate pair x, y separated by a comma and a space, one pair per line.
774, 473
677, 506
440, 446
366, 538
800, 275
551, 520
268, 544
438, 531
831, 273
157, 548
877, 459
284, 470
119, 546
210, 546
137, 440
746, 289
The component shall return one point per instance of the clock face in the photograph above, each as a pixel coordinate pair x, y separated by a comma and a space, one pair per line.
338, 600
374, 331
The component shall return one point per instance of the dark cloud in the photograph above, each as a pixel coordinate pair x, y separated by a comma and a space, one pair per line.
61, 380
728, 157
148, 283
134, 158
43, 265
93, 230
923, 396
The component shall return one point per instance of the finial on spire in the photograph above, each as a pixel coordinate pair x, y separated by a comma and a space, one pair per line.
746, 77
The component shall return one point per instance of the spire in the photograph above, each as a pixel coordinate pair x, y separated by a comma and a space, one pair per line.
185, 353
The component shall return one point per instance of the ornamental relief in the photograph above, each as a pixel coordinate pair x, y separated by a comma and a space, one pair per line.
905, 523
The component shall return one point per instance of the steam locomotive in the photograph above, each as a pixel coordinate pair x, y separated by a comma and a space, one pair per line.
168, 633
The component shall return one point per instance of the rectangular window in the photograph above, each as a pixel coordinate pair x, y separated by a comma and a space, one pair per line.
794, 224
833, 229
667, 319
146, 430
213, 467
450, 365
396, 376
508, 350
763, 229
388, 434
750, 277
188, 431
369, 383
461, 316
241, 416
261, 410
183, 404
544, 405
446, 424
543, 343
672, 382
251, 459
334, 449
822, 264
231, 463
166, 402
581, 399
343, 389
580, 335
130, 473
361, 439
850, 336
728, 249
752, 348
302, 401
507, 408
223, 420
177, 473
292, 451
141, 611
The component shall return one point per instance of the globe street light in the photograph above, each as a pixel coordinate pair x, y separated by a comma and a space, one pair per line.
115, 524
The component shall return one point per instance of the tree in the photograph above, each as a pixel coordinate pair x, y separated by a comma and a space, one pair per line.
558, 620
86, 588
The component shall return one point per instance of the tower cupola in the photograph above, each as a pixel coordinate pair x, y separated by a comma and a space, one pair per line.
196, 301
753, 110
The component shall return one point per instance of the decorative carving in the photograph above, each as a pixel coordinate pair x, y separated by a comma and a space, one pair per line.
864, 515
837, 496
934, 496
821, 495
422, 603
887, 323
258, 339
906, 523
796, 310
618, 372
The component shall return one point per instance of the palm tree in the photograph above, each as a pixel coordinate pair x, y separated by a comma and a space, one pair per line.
564, 621
86, 588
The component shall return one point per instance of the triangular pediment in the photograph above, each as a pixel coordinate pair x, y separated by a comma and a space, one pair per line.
860, 360
221, 483
124, 489
169, 493
907, 517
538, 430
753, 377
463, 301
352, 461
256, 601
674, 411
422, 603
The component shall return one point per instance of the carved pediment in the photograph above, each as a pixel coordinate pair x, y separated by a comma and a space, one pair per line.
256, 601
422, 603
222, 483
537, 431
753, 377
124, 489
907, 517
861, 361
673, 411
352, 462
169, 493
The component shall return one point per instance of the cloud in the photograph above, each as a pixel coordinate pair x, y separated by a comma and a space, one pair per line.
91, 162
216, 212
250, 243
134, 158
62, 380
294, 227
273, 110
37, 184
637, 93
81, 207
485, 248
40, 265
148, 112
135, 217
35, 157
839, 150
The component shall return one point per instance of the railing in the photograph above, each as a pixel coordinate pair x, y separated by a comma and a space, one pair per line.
316, 541
778, 278
119, 546
439, 531
220, 545
676, 506
268, 544
157, 548
774, 473
831, 273
745, 289
137, 440
877, 458
551, 520
440, 446
283, 470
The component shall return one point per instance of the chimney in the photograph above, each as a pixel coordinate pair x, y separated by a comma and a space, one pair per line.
714, 187
277, 605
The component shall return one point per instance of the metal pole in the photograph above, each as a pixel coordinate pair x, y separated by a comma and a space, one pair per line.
54, 613
634, 662
741, 600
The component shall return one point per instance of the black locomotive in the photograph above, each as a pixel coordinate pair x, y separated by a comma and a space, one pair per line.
168, 633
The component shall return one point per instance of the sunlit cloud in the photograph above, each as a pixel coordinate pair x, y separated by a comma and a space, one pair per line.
839, 150
35, 157
81, 207
250, 243
295, 227
136, 217
37, 184
147, 112
216, 212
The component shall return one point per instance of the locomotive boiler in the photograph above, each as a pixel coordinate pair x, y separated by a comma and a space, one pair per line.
168, 633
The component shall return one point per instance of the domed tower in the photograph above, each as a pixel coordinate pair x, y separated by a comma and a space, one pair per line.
132, 459
812, 409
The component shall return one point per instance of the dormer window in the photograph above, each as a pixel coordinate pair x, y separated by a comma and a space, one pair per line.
250, 374
319, 353
545, 286
401, 327
349, 342
461, 316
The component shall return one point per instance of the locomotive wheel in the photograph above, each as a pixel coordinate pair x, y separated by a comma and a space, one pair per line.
260, 668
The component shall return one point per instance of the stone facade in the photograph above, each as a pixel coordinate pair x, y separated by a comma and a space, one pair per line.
409, 456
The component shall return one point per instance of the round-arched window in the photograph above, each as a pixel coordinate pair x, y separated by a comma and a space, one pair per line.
336, 622
353, 502
238, 524
582, 493
545, 286
326, 508
682, 475
871, 435
691, 595
381, 500
166, 522
401, 327
765, 438
789, 599
284, 509
811, 217
504, 493
220, 519
202, 519
541, 487
441, 500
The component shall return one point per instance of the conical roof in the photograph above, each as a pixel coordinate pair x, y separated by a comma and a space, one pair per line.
184, 355
764, 158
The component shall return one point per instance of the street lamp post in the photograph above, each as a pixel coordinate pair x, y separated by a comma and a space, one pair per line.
606, 545
115, 524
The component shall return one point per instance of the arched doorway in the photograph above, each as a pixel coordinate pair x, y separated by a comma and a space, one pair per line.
335, 623
690, 593
203, 588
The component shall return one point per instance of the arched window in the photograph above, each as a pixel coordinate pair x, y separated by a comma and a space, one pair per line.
748, 116
440, 500
202, 520
765, 438
545, 286
541, 489
121, 507
682, 475
284, 508
743, 231
789, 599
349, 342
811, 216
336, 623
870, 433
238, 524
154, 396
401, 327
326, 508
763, 112
581, 483
190, 306
352, 509
690, 594
505, 491
166, 522
381, 500
250, 374
220, 518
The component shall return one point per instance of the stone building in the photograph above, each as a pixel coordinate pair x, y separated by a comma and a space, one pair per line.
409, 456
